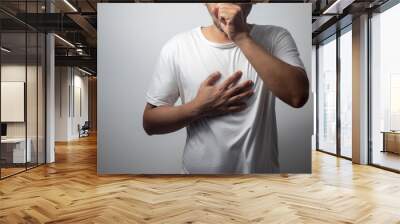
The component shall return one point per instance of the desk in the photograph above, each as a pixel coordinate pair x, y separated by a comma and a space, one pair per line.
13, 150
391, 141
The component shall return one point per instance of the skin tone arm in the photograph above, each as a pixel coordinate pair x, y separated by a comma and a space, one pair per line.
287, 82
211, 100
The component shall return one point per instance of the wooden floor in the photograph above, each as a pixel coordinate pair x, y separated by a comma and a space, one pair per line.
5, 172
70, 191
387, 159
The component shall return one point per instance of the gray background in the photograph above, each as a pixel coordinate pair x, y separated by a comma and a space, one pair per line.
130, 37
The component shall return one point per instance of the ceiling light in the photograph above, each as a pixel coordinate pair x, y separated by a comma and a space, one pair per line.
79, 51
84, 71
337, 7
65, 41
70, 5
329, 9
5, 50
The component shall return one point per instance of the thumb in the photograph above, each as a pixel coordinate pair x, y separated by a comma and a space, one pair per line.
215, 11
212, 79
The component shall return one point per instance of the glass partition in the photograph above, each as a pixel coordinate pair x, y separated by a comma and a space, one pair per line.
41, 87
14, 153
327, 96
32, 95
22, 101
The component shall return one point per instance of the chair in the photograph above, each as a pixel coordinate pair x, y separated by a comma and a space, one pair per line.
84, 130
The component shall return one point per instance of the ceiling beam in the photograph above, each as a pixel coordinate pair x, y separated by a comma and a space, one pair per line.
85, 61
84, 24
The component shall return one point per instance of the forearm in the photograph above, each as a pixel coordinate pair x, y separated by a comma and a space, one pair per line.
166, 119
287, 82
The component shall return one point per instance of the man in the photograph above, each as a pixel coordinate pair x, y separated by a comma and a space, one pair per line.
227, 76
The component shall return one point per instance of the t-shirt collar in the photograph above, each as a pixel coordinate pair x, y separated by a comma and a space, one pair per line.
218, 45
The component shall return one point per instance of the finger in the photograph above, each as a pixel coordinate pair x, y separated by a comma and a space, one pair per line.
231, 9
240, 97
225, 16
212, 79
237, 108
220, 9
227, 6
242, 103
234, 83
215, 11
231, 79
226, 12
244, 86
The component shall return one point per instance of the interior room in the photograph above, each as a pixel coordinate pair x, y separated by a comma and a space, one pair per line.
22, 104
50, 127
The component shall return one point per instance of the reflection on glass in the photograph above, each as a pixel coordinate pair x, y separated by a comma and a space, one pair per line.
41, 98
327, 97
14, 153
22, 91
346, 94
385, 84
31, 101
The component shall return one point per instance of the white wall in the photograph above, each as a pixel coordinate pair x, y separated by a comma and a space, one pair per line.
80, 84
67, 81
127, 53
15, 73
33, 126
62, 80
12, 73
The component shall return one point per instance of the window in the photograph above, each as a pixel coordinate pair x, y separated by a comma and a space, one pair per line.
394, 102
333, 137
327, 96
385, 89
346, 93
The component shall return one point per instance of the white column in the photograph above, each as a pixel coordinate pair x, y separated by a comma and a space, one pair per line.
50, 92
313, 96
360, 90
50, 100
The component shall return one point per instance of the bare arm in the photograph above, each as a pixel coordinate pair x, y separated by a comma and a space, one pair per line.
287, 82
166, 119
211, 100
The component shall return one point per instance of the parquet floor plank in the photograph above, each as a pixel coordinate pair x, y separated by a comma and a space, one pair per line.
70, 191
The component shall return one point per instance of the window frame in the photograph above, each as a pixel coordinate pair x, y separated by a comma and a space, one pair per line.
334, 37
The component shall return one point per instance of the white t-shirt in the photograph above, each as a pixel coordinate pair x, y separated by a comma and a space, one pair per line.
242, 142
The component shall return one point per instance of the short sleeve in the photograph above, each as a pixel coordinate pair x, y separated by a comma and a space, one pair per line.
163, 89
286, 50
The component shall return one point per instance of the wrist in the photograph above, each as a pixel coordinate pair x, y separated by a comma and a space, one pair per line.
241, 38
194, 110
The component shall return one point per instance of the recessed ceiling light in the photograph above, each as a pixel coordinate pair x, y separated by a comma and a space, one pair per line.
65, 41
5, 50
70, 5
84, 71
337, 6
